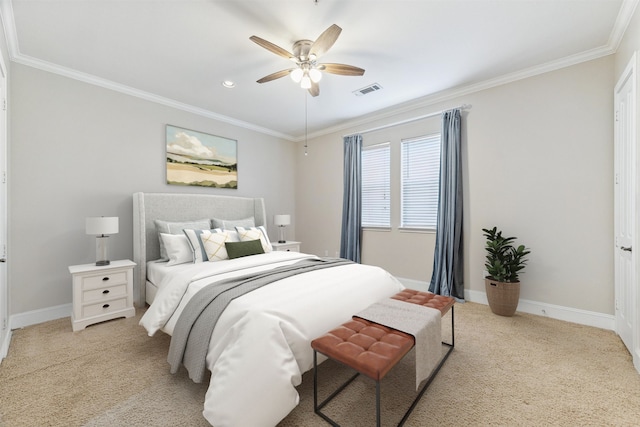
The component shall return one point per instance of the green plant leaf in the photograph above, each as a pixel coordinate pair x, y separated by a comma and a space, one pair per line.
504, 260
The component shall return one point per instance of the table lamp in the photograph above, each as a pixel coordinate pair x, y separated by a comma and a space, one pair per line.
101, 227
282, 221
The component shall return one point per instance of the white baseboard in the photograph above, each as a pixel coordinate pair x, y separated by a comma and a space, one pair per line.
28, 318
568, 314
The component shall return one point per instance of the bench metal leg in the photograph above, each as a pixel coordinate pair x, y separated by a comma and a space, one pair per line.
378, 403
317, 407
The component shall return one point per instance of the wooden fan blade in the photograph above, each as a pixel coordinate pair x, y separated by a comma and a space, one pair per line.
325, 41
314, 90
341, 69
272, 47
275, 75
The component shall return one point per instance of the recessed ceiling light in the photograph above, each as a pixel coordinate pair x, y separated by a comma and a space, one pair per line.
228, 84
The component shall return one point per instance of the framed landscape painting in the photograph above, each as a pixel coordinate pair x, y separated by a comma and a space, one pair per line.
200, 159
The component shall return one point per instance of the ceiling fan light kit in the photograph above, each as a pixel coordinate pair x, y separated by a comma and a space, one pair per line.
305, 55
296, 75
315, 75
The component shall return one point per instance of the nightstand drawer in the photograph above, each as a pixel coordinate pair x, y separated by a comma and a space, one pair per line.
93, 282
289, 246
104, 308
104, 293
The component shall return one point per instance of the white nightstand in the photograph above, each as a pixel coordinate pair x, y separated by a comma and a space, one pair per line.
101, 292
287, 246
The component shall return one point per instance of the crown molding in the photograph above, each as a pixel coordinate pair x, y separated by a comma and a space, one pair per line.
108, 84
11, 35
448, 95
623, 19
9, 25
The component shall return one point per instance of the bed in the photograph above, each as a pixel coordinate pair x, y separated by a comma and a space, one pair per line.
260, 345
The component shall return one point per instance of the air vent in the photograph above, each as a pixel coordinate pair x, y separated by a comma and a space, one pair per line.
368, 89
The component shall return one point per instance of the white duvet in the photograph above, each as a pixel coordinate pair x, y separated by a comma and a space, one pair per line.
260, 346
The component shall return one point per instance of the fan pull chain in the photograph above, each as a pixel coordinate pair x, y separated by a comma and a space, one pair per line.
305, 122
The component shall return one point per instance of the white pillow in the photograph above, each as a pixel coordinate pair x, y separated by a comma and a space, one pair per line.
195, 242
177, 248
253, 233
213, 242
174, 227
232, 235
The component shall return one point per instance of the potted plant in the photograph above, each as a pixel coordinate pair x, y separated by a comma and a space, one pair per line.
504, 263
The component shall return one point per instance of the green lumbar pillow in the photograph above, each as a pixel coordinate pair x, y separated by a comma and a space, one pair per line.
246, 248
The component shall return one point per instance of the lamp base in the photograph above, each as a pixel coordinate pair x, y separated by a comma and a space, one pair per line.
101, 250
281, 239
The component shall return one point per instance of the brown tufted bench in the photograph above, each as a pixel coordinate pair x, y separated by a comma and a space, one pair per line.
373, 349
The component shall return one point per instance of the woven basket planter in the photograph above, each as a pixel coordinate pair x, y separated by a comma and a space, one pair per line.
503, 297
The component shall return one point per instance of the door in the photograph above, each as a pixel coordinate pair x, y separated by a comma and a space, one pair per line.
625, 206
4, 323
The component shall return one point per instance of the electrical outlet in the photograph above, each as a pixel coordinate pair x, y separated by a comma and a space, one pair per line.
485, 273
326, 252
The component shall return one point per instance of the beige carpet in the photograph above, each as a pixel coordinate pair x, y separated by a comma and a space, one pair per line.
520, 371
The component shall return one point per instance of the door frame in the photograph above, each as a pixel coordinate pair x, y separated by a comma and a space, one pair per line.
630, 75
5, 327
632, 68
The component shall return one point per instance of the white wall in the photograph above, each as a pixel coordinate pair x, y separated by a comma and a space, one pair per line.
538, 163
79, 150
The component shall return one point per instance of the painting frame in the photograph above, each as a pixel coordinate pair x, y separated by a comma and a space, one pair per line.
195, 158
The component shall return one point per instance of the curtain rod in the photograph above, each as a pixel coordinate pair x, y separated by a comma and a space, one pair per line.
413, 119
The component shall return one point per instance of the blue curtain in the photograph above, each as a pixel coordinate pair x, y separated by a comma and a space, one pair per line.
352, 200
447, 277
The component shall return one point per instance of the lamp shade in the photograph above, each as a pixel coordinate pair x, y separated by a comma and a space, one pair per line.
282, 220
102, 225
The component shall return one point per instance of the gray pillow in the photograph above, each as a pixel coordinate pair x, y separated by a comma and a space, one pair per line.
176, 227
231, 224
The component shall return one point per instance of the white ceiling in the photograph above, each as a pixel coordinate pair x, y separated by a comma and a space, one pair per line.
179, 51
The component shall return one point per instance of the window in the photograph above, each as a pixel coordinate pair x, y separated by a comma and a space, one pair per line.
420, 165
376, 204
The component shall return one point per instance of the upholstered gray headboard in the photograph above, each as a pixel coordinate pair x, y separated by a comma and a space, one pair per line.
147, 207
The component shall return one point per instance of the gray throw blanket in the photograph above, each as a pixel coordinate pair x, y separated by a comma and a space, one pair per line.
420, 321
193, 330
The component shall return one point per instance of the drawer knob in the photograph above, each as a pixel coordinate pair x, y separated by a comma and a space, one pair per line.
104, 279
105, 306
106, 291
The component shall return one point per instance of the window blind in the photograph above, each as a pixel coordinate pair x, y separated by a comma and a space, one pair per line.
376, 187
420, 166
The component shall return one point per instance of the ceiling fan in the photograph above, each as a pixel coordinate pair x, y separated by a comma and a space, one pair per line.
308, 71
